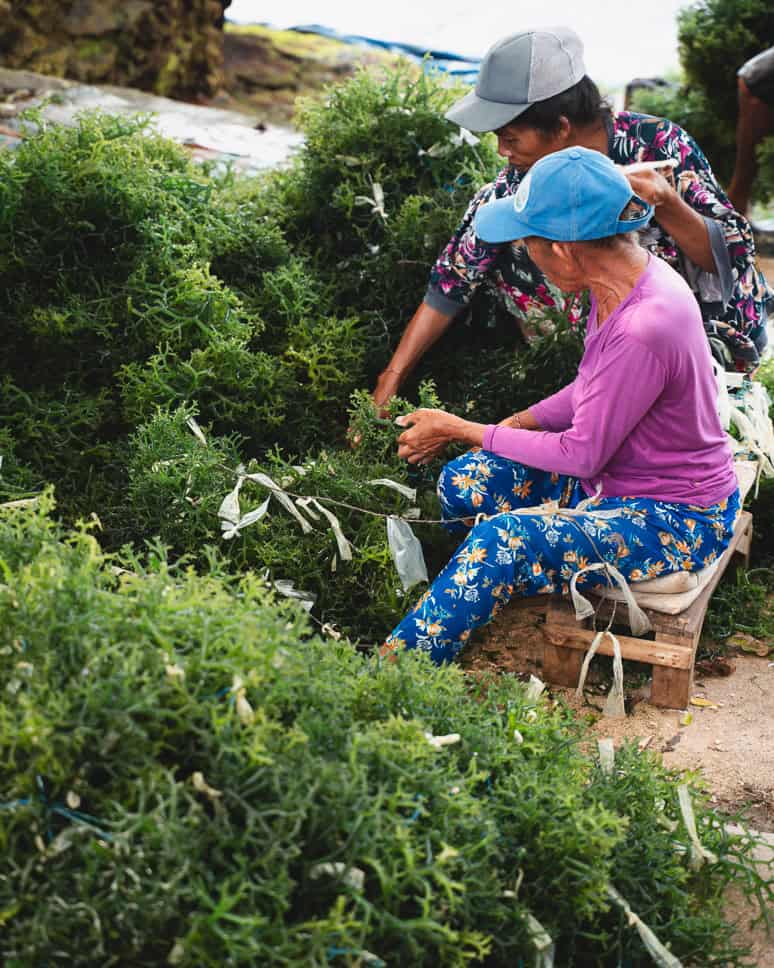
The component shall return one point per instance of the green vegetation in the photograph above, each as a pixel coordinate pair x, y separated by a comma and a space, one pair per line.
191, 775
746, 604
716, 37
192, 778
141, 289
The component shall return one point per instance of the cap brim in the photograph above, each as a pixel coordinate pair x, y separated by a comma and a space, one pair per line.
634, 224
477, 114
498, 222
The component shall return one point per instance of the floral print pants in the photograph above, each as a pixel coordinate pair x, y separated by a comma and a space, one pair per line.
507, 554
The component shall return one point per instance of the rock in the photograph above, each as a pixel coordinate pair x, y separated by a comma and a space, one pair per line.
93, 17
173, 48
266, 70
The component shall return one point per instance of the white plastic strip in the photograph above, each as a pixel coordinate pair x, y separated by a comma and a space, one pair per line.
699, 854
252, 516
285, 587
638, 620
541, 939
406, 551
535, 688
282, 497
229, 511
606, 755
345, 548
614, 704
196, 430
438, 742
661, 956
353, 876
305, 503
404, 489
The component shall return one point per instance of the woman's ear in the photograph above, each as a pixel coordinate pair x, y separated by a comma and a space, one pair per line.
565, 130
563, 252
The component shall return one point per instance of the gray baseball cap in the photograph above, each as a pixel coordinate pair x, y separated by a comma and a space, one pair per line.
517, 71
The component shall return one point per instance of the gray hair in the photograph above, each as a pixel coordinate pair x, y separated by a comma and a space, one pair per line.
633, 210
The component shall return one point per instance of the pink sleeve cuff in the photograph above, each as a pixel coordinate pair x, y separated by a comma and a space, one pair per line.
488, 441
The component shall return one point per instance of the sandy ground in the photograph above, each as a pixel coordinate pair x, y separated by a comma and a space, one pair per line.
733, 745
732, 741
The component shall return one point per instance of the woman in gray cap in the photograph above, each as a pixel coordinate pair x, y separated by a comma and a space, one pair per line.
533, 92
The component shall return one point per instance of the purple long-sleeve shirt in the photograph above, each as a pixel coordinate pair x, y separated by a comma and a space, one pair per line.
640, 417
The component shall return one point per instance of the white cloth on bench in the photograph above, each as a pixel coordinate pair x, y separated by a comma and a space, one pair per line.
672, 594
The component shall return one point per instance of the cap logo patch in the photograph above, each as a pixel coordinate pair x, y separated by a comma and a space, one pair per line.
522, 194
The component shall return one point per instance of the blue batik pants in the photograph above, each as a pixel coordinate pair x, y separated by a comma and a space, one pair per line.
507, 554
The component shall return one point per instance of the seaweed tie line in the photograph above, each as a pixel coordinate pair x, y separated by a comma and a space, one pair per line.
60, 809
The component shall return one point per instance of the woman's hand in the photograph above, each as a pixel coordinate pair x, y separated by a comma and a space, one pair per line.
651, 186
684, 224
430, 431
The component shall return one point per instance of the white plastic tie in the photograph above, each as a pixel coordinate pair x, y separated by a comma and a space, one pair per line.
285, 587
535, 688
638, 620
196, 430
699, 853
406, 551
614, 704
353, 876
229, 511
404, 489
282, 497
541, 939
345, 548
662, 956
606, 755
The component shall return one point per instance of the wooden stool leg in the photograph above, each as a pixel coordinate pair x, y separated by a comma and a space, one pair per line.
671, 687
742, 547
561, 667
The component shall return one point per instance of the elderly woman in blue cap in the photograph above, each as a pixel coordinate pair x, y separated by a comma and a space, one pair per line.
636, 435
534, 94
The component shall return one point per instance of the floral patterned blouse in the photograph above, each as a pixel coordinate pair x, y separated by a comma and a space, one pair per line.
733, 301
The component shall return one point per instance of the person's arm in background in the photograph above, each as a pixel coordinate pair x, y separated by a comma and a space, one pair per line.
426, 326
755, 121
459, 270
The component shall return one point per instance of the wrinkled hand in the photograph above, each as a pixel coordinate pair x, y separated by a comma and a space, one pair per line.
651, 186
428, 435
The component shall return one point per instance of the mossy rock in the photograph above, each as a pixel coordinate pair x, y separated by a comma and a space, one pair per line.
173, 49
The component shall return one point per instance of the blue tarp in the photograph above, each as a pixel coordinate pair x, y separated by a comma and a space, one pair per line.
464, 68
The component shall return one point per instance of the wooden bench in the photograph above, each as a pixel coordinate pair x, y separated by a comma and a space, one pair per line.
671, 650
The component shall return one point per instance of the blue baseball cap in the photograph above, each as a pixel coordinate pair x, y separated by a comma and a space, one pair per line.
571, 195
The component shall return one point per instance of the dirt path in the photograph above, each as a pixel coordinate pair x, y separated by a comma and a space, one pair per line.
732, 741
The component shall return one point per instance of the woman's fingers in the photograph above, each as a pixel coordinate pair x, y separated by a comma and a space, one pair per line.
651, 186
425, 437
409, 419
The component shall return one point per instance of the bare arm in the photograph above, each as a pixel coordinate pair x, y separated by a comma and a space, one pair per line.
424, 329
688, 229
523, 420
